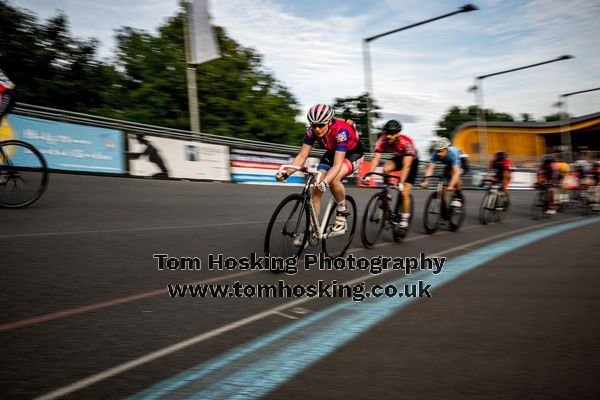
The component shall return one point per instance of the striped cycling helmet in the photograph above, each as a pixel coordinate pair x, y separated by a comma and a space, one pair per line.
319, 114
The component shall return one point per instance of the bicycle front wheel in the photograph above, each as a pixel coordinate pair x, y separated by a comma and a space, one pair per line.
373, 221
23, 174
335, 244
288, 229
397, 232
457, 215
487, 208
431, 216
539, 205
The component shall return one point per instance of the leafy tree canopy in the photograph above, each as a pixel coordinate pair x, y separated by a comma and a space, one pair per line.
147, 81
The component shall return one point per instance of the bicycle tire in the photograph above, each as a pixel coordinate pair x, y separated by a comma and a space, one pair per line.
299, 228
539, 202
432, 227
13, 171
400, 233
455, 224
370, 214
328, 242
484, 209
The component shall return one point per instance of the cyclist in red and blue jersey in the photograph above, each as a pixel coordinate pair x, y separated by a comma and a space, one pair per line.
343, 155
7, 97
549, 174
450, 156
405, 160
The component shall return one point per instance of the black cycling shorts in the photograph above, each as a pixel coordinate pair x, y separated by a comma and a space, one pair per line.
354, 158
414, 168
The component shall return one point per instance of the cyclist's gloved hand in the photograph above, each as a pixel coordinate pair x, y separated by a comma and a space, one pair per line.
365, 179
400, 187
322, 186
424, 184
281, 176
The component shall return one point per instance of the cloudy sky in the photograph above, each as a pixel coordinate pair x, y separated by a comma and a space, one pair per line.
314, 47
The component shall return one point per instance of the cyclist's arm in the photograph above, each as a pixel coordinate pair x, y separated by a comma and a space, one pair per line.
375, 162
429, 170
406, 164
455, 177
338, 161
301, 157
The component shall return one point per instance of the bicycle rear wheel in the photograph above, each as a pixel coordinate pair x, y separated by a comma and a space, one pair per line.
287, 232
336, 244
23, 174
373, 220
431, 216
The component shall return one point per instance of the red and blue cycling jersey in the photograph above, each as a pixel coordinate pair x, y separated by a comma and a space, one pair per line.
340, 137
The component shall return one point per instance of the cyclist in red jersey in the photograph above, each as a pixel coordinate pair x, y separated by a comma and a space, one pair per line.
343, 155
405, 160
500, 169
7, 97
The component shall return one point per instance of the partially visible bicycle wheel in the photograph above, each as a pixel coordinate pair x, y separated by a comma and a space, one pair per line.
457, 215
373, 220
431, 216
398, 232
501, 206
287, 232
487, 208
539, 205
335, 244
23, 174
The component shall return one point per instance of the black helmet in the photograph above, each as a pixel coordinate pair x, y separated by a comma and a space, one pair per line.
501, 155
392, 127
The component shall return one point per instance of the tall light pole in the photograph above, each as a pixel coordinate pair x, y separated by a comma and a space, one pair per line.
566, 136
478, 88
367, 61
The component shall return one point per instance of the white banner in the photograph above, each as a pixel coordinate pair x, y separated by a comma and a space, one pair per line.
164, 157
203, 44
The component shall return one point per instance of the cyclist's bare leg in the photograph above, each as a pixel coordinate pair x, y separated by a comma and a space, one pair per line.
406, 198
337, 188
318, 195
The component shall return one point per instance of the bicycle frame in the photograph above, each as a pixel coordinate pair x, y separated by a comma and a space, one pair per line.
314, 175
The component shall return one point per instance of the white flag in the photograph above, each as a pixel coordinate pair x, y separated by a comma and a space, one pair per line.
203, 45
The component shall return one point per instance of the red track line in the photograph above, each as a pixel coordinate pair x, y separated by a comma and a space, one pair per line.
92, 307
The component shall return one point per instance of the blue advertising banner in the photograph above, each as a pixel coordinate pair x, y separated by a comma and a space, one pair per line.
67, 146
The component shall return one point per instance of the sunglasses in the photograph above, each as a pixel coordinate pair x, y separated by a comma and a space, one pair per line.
320, 126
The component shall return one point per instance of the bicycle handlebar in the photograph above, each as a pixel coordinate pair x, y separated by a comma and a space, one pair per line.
382, 175
312, 171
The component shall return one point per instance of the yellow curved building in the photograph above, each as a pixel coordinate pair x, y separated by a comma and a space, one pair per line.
526, 142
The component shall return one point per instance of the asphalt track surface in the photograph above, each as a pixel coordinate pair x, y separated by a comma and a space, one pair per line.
86, 314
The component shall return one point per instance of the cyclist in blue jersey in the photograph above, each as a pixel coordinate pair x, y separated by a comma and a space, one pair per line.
450, 156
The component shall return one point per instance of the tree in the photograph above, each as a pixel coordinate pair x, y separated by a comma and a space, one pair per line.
556, 117
457, 116
355, 108
147, 84
48, 66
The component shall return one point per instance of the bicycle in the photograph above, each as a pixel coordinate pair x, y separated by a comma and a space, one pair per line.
379, 215
300, 223
541, 201
437, 211
23, 174
494, 204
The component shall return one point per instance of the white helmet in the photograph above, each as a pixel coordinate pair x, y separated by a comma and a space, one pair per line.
319, 114
441, 143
